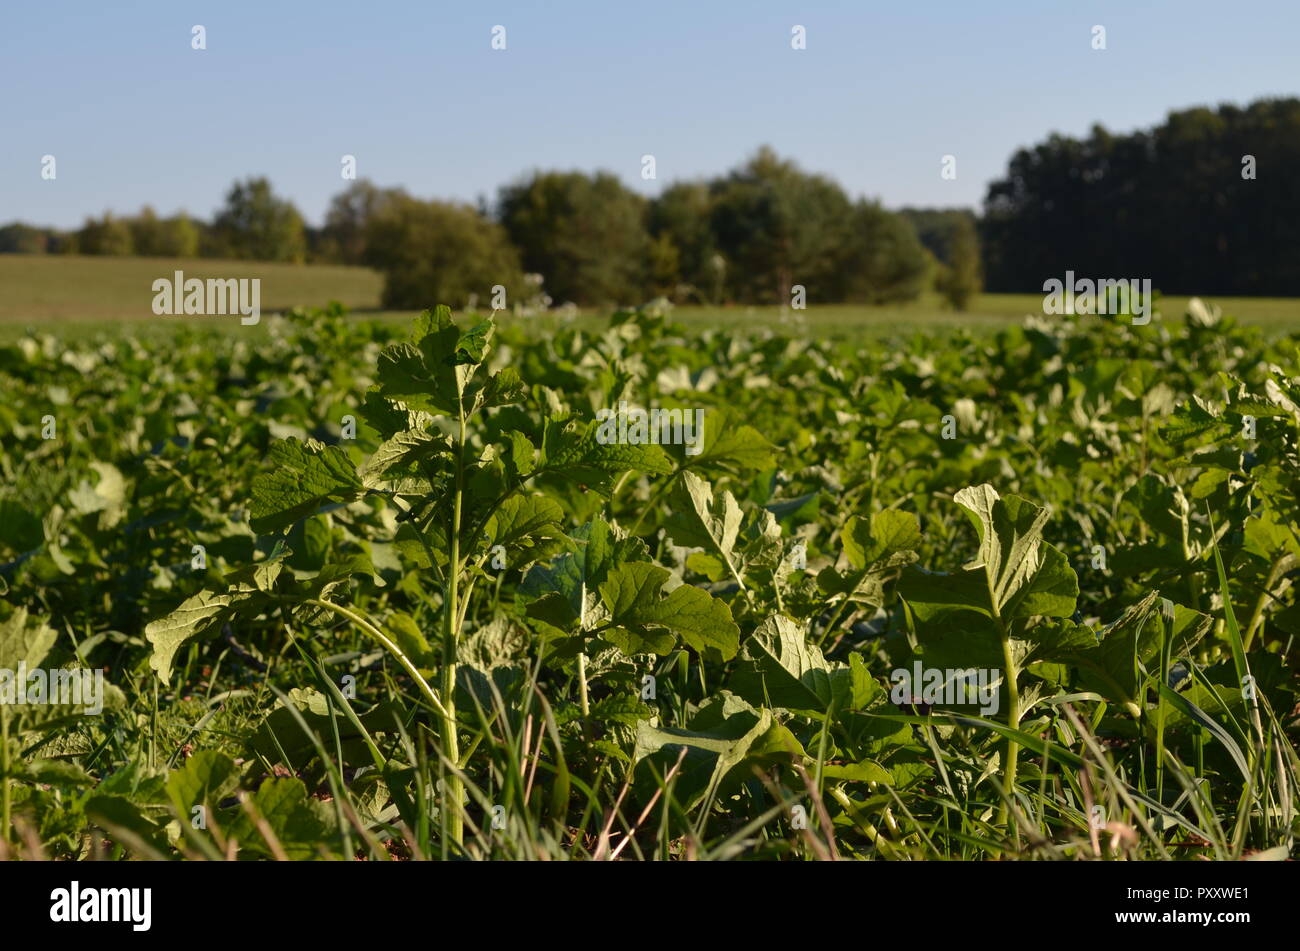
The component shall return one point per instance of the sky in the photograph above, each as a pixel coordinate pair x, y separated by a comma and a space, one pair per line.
414, 90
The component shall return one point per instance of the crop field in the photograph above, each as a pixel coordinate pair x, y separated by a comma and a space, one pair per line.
73, 294
648, 586
85, 289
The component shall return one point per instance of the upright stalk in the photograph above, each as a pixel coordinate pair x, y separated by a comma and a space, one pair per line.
582, 660
5, 801
584, 702
1013, 716
451, 614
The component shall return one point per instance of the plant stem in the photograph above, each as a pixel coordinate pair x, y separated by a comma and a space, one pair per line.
1013, 718
582, 659
5, 801
582, 684
451, 625
388, 644
1257, 616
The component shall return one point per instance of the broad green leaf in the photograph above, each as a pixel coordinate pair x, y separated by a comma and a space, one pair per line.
522, 452
700, 520
204, 780
730, 447
779, 667
249, 590
572, 449
873, 549
502, 388
1014, 558
430, 372
24, 640
522, 521
196, 614
301, 827
564, 592
726, 737
306, 476
401, 455
55, 772
407, 635
643, 621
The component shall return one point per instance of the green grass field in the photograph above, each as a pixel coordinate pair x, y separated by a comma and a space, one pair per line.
75, 294
41, 288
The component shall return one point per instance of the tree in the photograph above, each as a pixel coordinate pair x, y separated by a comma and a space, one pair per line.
882, 259
778, 226
585, 234
180, 236
146, 233
960, 278
174, 237
950, 235
18, 238
254, 224
107, 235
1203, 203
350, 212
684, 253
435, 252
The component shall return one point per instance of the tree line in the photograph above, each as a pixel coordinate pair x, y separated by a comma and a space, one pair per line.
1206, 202
752, 236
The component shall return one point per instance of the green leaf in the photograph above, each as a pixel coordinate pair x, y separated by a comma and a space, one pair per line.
407, 635
730, 447
196, 614
1014, 558
429, 373
522, 452
306, 476
502, 388
564, 592
700, 520
724, 739
401, 455
1112, 665
570, 449
20, 529
642, 621
300, 826
779, 667
118, 812
873, 549
249, 591
205, 779
521, 521
24, 640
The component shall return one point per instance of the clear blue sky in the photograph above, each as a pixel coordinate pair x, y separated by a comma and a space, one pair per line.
133, 115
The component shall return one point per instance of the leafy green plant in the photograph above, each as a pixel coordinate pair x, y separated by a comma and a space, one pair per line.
390, 597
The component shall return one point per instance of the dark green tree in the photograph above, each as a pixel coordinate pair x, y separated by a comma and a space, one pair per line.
882, 260
106, 235
342, 239
254, 224
777, 226
435, 251
585, 234
1206, 202
686, 253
